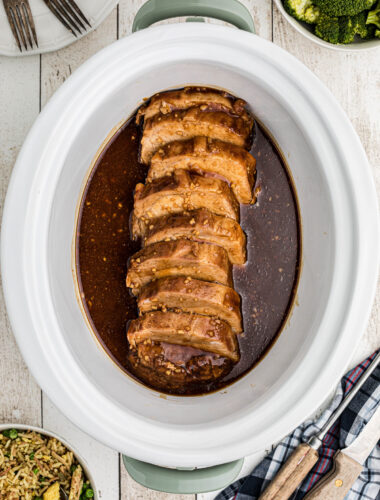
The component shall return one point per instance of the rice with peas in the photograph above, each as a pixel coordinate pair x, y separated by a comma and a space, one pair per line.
30, 463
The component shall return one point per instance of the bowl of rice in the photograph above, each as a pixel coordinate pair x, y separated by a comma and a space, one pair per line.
36, 464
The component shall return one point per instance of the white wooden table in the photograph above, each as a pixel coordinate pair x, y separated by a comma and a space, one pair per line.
26, 84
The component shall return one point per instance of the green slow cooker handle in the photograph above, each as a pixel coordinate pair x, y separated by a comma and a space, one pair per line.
231, 11
182, 481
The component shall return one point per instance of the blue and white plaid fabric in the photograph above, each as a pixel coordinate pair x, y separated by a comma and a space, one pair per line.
341, 435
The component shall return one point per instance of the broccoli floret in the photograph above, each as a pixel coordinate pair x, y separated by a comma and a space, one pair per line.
327, 28
374, 16
343, 29
311, 14
343, 7
371, 32
338, 21
303, 10
346, 29
349, 26
360, 25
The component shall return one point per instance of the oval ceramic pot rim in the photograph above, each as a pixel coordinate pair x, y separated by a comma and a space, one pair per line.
45, 432
27, 289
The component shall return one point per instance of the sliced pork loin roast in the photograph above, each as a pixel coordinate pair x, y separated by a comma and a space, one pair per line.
212, 157
176, 368
199, 225
194, 296
181, 125
182, 191
201, 332
179, 258
174, 100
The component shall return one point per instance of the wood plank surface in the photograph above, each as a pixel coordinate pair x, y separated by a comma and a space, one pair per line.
28, 83
20, 396
57, 66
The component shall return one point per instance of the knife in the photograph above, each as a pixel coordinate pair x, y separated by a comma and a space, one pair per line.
348, 464
305, 456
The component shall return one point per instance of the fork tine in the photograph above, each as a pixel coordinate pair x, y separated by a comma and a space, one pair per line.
59, 16
19, 24
79, 12
25, 23
30, 22
72, 13
10, 15
65, 14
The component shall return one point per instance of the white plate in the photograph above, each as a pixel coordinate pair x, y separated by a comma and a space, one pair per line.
52, 35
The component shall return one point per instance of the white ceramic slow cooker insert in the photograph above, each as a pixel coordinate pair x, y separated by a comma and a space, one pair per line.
339, 239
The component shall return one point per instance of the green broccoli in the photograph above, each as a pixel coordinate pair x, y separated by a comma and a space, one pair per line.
374, 16
303, 10
311, 14
361, 27
371, 32
342, 29
327, 28
338, 21
349, 26
346, 29
343, 7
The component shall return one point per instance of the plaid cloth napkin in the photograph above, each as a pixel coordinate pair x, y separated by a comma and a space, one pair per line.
341, 435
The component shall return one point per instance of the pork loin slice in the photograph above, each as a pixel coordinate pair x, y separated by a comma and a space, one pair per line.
174, 100
181, 125
200, 332
183, 191
209, 156
199, 225
194, 296
175, 368
179, 258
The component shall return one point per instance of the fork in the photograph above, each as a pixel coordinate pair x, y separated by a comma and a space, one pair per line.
21, 22
70, 15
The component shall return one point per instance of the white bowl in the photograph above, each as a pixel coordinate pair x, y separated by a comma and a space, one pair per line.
307, 31
44, 432
340, 247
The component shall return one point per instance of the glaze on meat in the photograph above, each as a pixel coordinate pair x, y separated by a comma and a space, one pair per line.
266, 283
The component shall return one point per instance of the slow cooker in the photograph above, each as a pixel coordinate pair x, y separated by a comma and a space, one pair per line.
340, 247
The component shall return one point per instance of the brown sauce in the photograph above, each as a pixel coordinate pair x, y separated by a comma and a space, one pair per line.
266, 283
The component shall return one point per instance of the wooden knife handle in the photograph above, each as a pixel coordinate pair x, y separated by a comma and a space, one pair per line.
291, 474
337, 483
